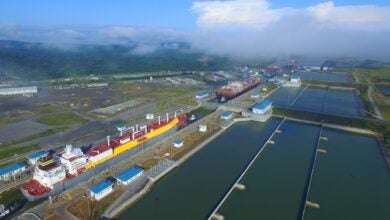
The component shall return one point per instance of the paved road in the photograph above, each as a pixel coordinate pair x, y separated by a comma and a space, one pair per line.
377, 112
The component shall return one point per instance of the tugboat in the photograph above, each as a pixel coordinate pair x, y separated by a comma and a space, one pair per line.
11, 208
192, 118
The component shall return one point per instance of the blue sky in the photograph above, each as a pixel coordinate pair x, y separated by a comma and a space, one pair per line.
243, 28
162, 13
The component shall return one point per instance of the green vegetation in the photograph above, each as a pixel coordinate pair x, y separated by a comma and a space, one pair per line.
8, 152
63, 118
48, 132
45, 109
378, 76
373, 125
187, 101
171, 92
10, 120
40, 61
162, 106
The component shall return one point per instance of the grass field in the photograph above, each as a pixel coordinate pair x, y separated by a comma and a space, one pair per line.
10, 120
187, 101
62, 118
7, 152
374, 77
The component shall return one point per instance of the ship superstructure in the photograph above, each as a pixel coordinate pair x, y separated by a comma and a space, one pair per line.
55, 173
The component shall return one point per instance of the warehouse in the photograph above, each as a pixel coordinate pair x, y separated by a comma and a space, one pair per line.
201, 95
130, 175
7, 172
227, 115
102, 189
19, 90
262, 107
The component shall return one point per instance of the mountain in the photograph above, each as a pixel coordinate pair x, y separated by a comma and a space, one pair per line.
33, 60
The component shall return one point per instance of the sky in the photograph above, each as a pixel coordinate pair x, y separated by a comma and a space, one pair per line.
242, 28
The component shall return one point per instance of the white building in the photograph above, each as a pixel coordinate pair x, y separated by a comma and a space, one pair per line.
178, 143
7, 172
201, 95
295, 81
101, 190
19, 90
227, 115
262, 107
130, 175
202, 128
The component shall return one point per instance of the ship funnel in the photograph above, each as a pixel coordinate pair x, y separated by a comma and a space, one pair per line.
68, 149
108, 140
167, 117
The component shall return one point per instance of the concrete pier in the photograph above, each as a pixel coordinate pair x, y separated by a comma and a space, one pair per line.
309, 177
220, 203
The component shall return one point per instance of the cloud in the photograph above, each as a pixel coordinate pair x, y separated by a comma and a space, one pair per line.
237, 13
8, 30
260, 14
357, 17
252, 29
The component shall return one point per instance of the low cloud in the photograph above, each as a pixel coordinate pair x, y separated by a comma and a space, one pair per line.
252, 29
242, 29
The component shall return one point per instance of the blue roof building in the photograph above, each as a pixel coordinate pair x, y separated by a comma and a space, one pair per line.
262, 107
227, 115
130, 175
201, 95
101, 189
32, 158
178, 143
8, 171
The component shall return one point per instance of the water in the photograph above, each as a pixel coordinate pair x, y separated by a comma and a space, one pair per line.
326, 77
322, 100
384, 90
276, 181
192, 190
350, 181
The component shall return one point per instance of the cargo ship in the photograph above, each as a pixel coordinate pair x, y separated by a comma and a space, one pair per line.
11, 208
55, 173
236, 88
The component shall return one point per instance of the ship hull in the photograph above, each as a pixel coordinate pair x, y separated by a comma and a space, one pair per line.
228, 97
96, 169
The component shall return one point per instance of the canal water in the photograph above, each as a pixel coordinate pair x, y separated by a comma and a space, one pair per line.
350, 181
384, 90
192, 190
326, 77
276, 181
316, 99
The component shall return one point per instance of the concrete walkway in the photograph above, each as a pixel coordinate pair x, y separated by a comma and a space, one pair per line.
374, 106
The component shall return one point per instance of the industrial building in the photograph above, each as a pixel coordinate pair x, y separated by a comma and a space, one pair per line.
295, 81
19, 90
130, 175
227, 115
262, 107
202, 128
201, 95
7, 172
255, 95
178, 143
101, 190
34, 157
